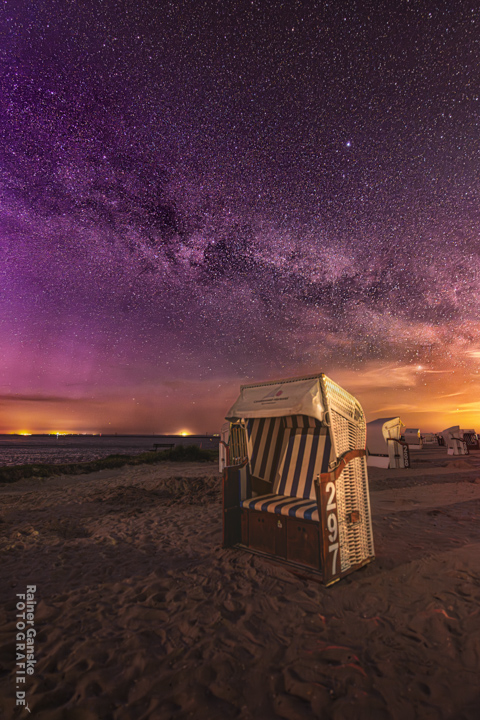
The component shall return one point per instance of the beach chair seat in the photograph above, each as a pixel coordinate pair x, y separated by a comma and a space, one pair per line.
283, 505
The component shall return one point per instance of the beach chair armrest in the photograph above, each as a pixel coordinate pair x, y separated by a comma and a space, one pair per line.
260, 486
335, 473
236, 484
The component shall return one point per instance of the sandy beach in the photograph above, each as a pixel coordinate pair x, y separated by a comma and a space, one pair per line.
140, 614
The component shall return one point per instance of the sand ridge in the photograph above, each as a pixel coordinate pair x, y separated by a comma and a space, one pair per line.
141, 614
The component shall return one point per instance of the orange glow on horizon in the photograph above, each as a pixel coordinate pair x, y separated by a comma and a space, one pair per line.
432, 399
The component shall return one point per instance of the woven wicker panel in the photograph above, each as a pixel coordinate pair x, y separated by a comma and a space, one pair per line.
348, 430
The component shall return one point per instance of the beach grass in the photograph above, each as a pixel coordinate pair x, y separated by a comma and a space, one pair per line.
180, 453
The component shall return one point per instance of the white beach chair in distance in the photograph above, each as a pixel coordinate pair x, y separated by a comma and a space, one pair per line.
300, 494
385, 448
454, 441
413, 438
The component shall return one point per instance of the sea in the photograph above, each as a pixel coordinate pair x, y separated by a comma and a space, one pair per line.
33, 449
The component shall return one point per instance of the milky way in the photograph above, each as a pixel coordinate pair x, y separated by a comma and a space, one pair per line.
197, 194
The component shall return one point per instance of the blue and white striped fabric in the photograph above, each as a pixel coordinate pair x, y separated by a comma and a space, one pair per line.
281, 505
307, 453
266, 442
289, 452
299, 422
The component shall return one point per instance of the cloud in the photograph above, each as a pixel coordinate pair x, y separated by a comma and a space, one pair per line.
38, 398
467, 407
374, 376
399, 407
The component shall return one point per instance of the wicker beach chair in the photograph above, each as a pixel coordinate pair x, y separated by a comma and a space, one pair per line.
385, 448
454, 441
471, 439
300, 493
413, 438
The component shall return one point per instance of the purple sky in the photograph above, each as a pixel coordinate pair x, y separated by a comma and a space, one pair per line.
199, 194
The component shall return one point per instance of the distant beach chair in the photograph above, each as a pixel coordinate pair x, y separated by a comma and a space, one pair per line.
385, 448
295, 486
413, 438
454, 441
471, 439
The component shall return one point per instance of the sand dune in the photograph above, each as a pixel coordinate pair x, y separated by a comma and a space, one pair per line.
141, 614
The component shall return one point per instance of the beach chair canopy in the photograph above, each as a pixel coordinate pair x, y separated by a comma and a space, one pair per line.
278, 399
378, 431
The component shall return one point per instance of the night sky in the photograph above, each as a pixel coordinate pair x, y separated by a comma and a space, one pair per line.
199, 194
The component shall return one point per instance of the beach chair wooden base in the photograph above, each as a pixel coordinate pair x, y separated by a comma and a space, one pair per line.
285, 538
288, 542
304, 546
